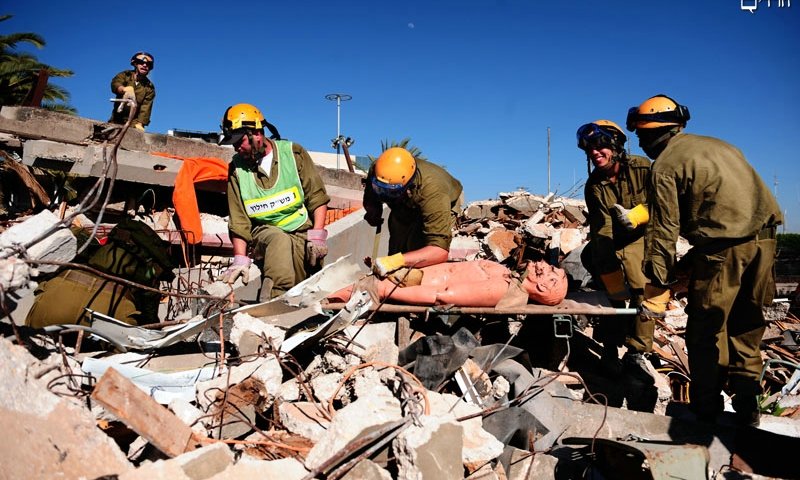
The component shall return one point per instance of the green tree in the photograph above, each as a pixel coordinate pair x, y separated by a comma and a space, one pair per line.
19, 70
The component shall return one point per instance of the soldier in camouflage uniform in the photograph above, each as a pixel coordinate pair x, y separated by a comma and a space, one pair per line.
705, 190
134, 84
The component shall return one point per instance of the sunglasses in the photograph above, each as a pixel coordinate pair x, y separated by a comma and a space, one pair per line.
139, 61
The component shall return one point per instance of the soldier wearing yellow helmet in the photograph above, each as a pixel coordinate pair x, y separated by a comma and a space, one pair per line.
277, 203
705, 190
616, 195
424, 201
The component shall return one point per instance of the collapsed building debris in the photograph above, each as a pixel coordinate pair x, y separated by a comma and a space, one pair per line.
307, 386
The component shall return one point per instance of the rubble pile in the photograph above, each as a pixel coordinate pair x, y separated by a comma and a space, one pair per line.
296, 389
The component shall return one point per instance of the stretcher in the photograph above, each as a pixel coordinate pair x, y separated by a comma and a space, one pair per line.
576, 303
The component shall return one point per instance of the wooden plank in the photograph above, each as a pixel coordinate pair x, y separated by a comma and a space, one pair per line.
142, 414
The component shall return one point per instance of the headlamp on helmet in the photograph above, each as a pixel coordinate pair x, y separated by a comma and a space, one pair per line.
655, 112
601, 134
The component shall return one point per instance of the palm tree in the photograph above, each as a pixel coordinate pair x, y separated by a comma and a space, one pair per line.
19, 72
414, 151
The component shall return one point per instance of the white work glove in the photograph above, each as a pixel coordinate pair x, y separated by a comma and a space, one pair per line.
317, 246
239, 267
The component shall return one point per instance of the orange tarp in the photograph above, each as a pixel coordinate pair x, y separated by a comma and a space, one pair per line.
193, 170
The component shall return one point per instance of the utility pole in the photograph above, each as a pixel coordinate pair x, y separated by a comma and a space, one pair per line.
548, 161
339, 97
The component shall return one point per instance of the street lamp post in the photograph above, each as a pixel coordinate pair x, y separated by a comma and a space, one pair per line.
339, 97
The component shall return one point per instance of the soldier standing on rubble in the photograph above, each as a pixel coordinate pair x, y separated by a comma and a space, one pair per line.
424, 200
276, 200
134, 85
705, 190
616, 198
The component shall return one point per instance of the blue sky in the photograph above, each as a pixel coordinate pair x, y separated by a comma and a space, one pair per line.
474, 83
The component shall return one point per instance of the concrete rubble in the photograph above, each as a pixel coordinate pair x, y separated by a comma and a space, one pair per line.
298, 387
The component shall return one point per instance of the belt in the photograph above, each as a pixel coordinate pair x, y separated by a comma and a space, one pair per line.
90, 280
767, 233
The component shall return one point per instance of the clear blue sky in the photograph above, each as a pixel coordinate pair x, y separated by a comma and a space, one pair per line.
474, 83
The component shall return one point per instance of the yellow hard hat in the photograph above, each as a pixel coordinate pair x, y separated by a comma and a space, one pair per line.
237, 119
655, 112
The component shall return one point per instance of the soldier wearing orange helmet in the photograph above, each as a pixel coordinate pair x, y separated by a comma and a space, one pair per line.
277, 202
424, 201
616, 196
705, 190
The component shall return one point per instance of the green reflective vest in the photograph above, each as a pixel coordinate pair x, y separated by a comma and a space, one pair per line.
283, 205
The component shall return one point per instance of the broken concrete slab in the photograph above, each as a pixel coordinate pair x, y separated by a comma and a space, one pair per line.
367, 470
431, 451
249, 332
57, 246
267, 370
304, 418
47, 436
349, 423
285, 469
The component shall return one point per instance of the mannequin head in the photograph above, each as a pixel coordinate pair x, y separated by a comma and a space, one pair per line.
545, 283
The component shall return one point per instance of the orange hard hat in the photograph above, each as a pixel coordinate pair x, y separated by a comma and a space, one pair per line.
655, 112
395, 166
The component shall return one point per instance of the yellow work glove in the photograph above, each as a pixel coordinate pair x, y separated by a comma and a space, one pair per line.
615, 285
383, 266
406, 277
138, 126
655, 301
632, 218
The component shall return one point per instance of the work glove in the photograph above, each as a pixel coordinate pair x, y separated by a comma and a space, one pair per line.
128, 94
239, 267
616, 289
406, 277
317, 246
632, 218
655, 301
383, 266
138, 126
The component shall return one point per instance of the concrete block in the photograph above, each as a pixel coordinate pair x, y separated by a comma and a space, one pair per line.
205, 462
284, 469
367, 470
29, 122
464, 248
571, 238
303, 418
248, 333
59, 246
353, 235
350, 422
501, 243
266, 370
45, 436
325, 386
430, 452
525, 204
479, 446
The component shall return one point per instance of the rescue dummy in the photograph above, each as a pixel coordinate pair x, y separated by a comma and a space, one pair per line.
478, 283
